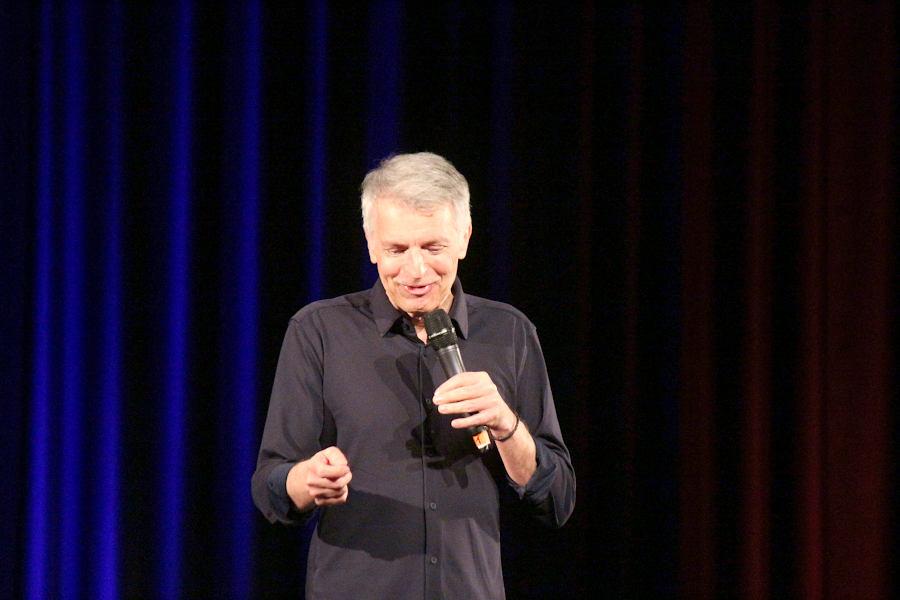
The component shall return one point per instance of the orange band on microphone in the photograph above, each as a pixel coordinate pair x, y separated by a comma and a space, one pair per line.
482, 439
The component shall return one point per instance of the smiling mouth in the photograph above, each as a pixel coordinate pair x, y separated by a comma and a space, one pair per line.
418, 290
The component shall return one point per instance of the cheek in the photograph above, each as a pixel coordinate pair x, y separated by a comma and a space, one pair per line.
387, 270
442, 265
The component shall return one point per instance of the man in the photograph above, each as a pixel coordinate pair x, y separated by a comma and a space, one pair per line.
358, 429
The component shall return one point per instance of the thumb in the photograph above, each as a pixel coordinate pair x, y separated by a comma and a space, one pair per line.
333, 456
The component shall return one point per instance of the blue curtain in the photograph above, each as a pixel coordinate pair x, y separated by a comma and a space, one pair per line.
174, 174
116, 227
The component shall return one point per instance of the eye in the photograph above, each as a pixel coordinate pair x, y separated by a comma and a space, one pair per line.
435, 249
394, 251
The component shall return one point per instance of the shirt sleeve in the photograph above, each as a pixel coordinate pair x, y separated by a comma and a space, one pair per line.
294, 423
551, 490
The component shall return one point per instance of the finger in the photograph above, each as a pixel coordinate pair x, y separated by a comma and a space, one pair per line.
327, 492
459, 394
464, 406
483, 396
330, 472
330, 497
331, 501
476, 389
336, 481
471, 421
332, 479
334, 456
345, 480
320, 484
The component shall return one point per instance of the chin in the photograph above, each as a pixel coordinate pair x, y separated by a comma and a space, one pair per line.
419, 308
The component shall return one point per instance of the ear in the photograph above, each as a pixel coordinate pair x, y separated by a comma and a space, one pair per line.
464, 243
373, 257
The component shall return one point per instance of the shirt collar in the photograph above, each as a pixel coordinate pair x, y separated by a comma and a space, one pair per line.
386, 315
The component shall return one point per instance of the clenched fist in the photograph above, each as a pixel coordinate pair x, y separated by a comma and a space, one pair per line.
322, 480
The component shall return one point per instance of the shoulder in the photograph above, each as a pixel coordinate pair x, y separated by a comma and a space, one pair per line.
329, 309
484, 309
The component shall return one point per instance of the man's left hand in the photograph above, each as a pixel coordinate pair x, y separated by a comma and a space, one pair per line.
475, 393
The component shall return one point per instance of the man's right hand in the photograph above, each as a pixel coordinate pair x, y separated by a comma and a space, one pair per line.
322, 480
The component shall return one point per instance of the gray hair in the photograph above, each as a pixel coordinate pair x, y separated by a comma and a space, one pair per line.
423, 181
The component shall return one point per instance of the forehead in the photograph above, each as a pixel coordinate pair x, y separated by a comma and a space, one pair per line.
394, 218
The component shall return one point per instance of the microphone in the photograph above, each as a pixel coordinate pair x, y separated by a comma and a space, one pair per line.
442, 336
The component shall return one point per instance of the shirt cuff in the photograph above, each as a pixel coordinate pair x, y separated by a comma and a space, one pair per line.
538, 487
282, 505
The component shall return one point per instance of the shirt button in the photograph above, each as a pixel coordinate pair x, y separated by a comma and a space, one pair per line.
433, 506
434, 560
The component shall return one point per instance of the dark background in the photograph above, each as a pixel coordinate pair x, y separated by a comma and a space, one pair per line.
694, 203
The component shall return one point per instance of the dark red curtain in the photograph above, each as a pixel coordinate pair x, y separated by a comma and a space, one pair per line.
789, 302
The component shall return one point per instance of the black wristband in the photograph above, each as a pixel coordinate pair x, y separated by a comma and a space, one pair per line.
511, 433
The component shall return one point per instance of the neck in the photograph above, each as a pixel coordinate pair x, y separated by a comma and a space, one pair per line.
419, 324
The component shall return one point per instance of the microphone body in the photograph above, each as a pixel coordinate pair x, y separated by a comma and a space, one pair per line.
451, 361
443, 337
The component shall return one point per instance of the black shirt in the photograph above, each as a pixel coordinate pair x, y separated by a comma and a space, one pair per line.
422, 516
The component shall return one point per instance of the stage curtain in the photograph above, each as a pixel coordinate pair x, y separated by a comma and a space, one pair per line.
694, 202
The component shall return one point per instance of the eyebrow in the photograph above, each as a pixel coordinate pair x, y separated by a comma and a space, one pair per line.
436, 241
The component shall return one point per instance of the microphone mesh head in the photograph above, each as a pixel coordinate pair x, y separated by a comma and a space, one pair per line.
440, 329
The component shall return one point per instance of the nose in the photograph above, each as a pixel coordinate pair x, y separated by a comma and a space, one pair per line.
415, 263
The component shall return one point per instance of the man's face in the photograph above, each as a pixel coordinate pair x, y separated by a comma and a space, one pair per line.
417, 254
